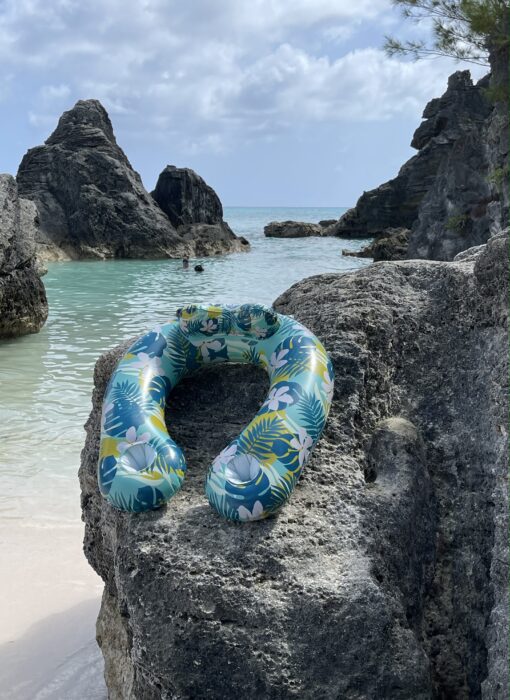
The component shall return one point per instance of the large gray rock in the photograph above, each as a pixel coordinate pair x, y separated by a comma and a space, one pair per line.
392, 245
385, 575
186, 198
91, 202
436, 189
23, 305
195, 209
292, 229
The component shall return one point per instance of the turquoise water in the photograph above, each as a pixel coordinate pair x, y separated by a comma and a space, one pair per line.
46, 379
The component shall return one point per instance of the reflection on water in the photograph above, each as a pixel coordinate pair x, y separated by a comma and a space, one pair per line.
46, 379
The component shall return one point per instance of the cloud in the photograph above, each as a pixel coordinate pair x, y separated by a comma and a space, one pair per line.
209, 74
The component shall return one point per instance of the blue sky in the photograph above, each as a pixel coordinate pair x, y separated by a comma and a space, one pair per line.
273, 102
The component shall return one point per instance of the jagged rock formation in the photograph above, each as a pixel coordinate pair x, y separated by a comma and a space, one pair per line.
392, 245
23, 305
292, 229
186, 198
442, 193
385, 576
453, 215
91, 202
195, 210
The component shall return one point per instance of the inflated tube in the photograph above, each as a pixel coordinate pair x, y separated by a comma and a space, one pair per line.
141, 467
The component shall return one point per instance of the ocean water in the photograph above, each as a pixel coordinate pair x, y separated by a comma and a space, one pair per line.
46, 383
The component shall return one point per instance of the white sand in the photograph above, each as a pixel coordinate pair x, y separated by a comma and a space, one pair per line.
49, 600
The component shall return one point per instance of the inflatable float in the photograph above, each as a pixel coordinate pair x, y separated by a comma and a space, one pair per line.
141, 467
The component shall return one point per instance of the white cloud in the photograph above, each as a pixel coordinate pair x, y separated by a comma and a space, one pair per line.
211, 73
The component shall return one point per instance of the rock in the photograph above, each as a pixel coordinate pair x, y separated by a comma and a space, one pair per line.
327, 222
392, 245
453, 215
212, 239
91, 202
23, 304
292, 229
440, 188
385, 575
186, 198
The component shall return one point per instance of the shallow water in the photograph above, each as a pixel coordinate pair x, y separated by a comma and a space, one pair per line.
46, 383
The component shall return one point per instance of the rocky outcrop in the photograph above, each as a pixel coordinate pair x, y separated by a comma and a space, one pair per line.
186, 198
195, 210
442, 193
91, 202
454, 214
393, 245
23, 305
385, 576
292, 229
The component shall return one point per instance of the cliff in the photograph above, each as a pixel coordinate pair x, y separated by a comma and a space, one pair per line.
23, 305
447, 194
91, 202
385, 576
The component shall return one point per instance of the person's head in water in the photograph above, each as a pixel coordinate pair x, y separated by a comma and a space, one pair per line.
185, 263
199, 268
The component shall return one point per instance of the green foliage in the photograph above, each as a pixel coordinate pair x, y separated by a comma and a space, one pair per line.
499, 176
457, 223
462, 29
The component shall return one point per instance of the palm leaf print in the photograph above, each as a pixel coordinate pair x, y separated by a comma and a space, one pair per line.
312, 415
258, 438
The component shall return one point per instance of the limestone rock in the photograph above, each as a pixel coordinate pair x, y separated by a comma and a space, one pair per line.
392, 245
292, 229
385, 575
195, 209
442, 192
91, 202
186, 198
23, 305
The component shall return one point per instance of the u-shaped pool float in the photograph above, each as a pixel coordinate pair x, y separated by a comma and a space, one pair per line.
141, 467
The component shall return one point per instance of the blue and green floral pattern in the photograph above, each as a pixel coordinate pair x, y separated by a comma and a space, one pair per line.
141, 467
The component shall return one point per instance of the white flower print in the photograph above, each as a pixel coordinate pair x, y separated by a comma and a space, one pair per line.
224, 458
277, 360
209, 326
206, 345
303, 443
327, 386
150, 366
277, 396
242, 469
255, 514
132, 439
260, 332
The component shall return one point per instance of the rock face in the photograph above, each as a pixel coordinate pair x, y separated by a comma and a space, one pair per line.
292, 229
385, 576
91, 202
442, 193
454, 214
186, 198
195, 210
23, 305
393, 245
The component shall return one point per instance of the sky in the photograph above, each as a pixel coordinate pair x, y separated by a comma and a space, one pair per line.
273, 102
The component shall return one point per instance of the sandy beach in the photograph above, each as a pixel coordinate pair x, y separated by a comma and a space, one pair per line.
49, 602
